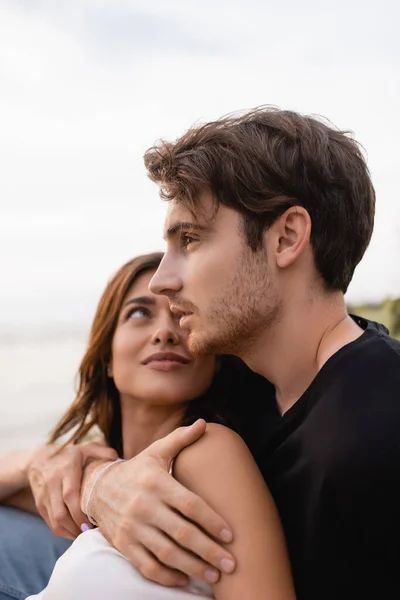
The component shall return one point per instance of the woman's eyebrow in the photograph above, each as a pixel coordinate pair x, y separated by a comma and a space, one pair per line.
140, 300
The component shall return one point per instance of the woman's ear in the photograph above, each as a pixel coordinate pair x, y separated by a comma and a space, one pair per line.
109, 369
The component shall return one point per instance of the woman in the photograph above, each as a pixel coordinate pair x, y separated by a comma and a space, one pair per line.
138, 382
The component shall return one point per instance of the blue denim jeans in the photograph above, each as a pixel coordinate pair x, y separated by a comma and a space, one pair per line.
28, 553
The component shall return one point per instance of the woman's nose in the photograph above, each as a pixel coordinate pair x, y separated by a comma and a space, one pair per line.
165, 334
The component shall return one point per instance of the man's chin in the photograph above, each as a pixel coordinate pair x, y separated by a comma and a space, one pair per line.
193, 345
201, 345
196, 344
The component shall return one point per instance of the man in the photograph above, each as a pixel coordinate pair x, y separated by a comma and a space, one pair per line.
270, 212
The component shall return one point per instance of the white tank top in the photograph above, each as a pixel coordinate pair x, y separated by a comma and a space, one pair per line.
91, 569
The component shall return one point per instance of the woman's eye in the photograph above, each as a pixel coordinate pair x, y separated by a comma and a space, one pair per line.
138, 313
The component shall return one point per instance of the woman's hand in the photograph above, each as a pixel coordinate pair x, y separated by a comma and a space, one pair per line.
165, 530
55, 476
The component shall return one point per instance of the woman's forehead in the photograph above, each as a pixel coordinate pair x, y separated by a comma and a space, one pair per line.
141, 284
140, 289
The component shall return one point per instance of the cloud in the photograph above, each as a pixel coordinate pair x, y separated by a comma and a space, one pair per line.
87, 85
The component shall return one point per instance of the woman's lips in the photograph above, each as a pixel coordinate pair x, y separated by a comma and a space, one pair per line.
166, 361
165, 365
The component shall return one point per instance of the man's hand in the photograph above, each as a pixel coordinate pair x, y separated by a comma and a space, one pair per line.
55, 477
164, 529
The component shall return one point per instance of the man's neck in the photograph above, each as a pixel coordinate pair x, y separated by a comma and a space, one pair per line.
292, 352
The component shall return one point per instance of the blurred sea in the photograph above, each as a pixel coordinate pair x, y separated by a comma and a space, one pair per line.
37, 378
38, 375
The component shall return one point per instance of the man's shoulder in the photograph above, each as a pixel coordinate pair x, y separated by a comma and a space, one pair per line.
381, 347
365, 377
368, 324
390, 345
375, 346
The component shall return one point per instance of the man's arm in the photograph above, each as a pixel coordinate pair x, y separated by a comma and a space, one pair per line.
164, 529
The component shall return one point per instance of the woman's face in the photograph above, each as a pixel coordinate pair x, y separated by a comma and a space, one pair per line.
150, 360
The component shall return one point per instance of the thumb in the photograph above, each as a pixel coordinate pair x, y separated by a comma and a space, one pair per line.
169, 447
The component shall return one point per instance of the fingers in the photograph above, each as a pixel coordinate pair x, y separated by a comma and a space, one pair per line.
42, 510
65, 533
41, 505
71, 497
195, 509
59, 518
187, 520
206, 552
170, 554
152, 569
170, 446
55, 478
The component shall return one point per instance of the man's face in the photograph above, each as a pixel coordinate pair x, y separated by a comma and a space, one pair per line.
213, 278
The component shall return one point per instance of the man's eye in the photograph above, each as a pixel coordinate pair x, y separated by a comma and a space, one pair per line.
186, 240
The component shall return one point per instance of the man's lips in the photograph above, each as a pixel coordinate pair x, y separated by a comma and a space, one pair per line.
179, 312
171, 357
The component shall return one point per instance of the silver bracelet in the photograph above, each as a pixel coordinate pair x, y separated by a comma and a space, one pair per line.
99, 474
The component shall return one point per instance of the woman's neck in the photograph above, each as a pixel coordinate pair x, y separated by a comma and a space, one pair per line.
143, 424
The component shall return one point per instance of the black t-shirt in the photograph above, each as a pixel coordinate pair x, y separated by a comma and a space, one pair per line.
332, 463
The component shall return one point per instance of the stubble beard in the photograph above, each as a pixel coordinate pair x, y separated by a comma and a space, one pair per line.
236, 316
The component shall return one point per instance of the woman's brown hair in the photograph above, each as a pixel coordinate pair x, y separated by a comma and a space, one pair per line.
97, 400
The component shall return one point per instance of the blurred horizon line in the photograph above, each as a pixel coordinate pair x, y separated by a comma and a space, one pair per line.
78, 332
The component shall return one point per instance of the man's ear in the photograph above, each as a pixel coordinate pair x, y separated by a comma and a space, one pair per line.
292, 232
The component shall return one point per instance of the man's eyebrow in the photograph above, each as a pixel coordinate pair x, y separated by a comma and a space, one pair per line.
140, 300
180, 226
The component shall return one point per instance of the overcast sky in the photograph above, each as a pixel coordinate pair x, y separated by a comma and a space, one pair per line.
87, 85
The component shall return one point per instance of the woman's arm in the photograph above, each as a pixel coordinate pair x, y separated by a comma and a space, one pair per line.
220, 468
23, 500
14, 484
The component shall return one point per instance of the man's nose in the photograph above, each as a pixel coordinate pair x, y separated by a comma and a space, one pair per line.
166, 280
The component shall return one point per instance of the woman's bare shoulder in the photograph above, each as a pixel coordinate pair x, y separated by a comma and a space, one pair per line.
220, 469
219, 452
